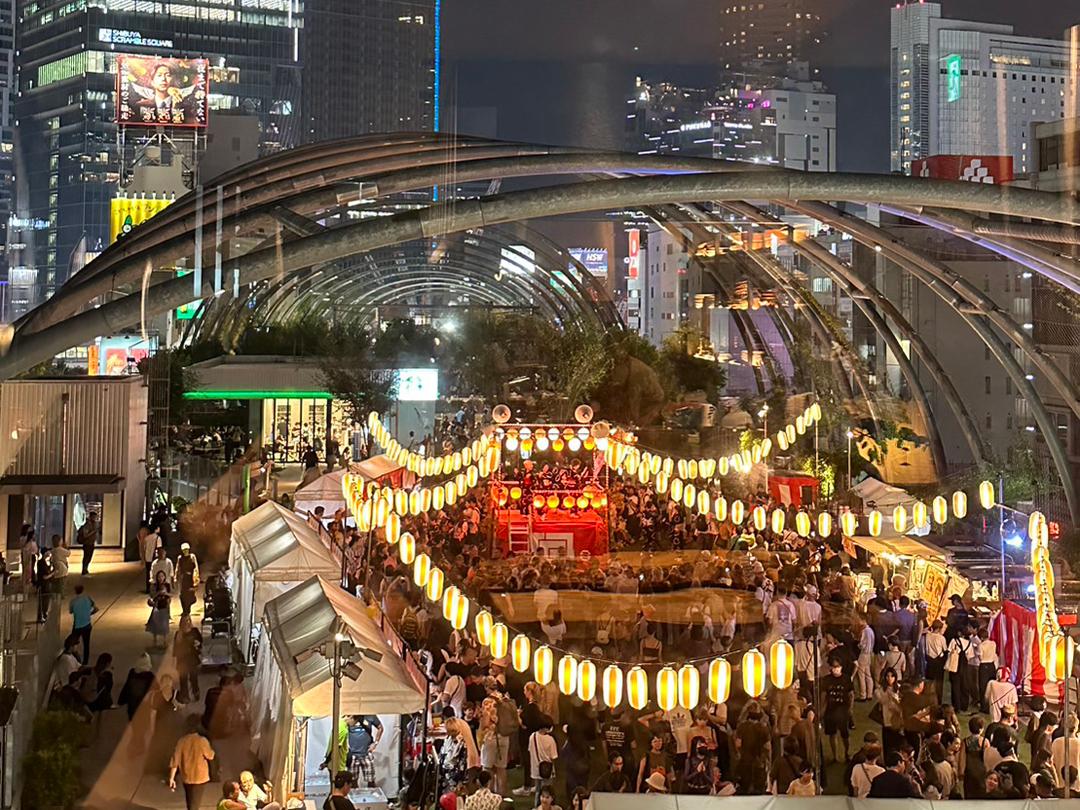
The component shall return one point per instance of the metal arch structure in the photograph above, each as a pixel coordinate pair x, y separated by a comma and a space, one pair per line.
314, 183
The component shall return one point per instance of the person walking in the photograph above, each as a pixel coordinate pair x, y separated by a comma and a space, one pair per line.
82, 608
149, 541
187, 653
191, 762
42, 574
161, 564
88, 540
186, 578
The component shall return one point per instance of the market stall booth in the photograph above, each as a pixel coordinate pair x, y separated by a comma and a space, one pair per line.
324, 491
885, 498
382, 470
921, 570
272, 550
293, 692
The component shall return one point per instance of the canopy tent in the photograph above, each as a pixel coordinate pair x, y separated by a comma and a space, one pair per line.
671, 801
324, 491
793, 488
292, 678
382, 469
272, 550
885, 498
901, 547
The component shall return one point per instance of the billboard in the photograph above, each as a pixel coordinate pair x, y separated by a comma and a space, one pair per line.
417, 384
987, 169
634, 253
118, 356
595, 260
953, 64
127, 212
155, 92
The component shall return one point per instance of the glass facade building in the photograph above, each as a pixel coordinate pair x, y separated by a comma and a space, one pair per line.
67, 149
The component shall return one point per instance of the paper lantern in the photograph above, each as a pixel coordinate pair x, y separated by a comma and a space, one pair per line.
421, 569
612, 686
515, 493
450, 493
816, 409
1036, 522
676, 489
538, 501
637, 688
425, 499
434, 585
499, 636
873, 523
472, 477
760, 518
753, 673
959, 504
643, 474
755, 454
941, 510
719, 680
543, 665
683, 468
747, 460
849, 523
778, 518
668, 466
520, 652
586, 680
483, 624
568, 667
802, 524
382, 511
1059, 663
511, 444
781, 441
568, 502
661, 483
800, 424
722, 466
689, 686
458, 613
738, 512
703, 502
552, 501
407, 548
781, 664
707, 466
438, 498
790, 431
667, 689
720, 508
689, 496
919, 515
393, 528
899, 519
414, 502
987, 496
824, 524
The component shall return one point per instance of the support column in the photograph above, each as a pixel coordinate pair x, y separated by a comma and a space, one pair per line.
112, 520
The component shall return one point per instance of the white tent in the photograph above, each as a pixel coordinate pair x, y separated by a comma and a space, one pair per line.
324, 491
885, 498
272, 550
292, 678
378, 468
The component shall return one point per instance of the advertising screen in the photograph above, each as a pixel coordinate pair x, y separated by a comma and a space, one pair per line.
953, 64
595, 260
117, 356
634, 252
417, 385
154, 92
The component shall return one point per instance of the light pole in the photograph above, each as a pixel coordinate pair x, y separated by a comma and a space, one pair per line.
335, 673
850, 436
763, 414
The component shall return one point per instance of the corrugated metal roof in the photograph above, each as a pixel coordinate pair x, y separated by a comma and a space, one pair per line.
256, 373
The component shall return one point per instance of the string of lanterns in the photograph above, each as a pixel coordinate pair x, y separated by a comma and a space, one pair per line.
1056, 649
426, 466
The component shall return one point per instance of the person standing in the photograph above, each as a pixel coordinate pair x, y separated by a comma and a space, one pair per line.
29, 554
187, 653
191, 762
149, 540
82, 608
838, 693
187, 578
161, 564
88, 539
58, 562
42, 572
934, 650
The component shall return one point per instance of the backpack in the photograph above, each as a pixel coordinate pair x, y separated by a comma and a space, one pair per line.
409, 627
506, 719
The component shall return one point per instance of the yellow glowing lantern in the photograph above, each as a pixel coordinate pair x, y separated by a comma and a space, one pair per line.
1036, 523
401, 502
986, 495
959, 504
760, 518
459, 610
520, 652
849, 523
637, 688
689, 496
722, 465
683, 468
450, 493
873, 523
719, 680
738, 512
941, 510
511, 443
414, 503
586, 680
720, 508
703, 502
425, 499
515, 493
824, 524
790, 432
472, 477
538, 501
543, 665
782, 664
707, 467
434, 585
899, 519
438, 498
499, 636
755, 454
382, 511
393, 528
568, 669
407, 548
747, 460
766, 447
802, 524
612, 686
643, 474
689, 686
483, 624
800, 425
421, 569
1060, 660
778, 518
668, 465
552, 501
753, 673
568, 502
919, 515
676, 489
816, 410
667, 689
692, 468
781, 441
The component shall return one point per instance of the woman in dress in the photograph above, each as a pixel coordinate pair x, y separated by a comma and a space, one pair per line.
158, 623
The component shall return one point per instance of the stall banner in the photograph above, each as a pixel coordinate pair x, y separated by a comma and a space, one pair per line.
127, 212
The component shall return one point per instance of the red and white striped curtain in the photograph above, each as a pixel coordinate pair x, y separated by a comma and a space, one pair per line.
1013, 629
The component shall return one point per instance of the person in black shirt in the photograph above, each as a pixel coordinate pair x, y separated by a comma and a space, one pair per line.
838, 693
344, 782
893, 783
614, 779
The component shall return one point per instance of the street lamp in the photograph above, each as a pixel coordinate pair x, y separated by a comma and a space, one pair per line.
850, 436
763, 415
343, 657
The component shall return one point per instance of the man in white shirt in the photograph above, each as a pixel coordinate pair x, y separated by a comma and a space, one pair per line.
809, 609
863, 773
161, 564
807, 661
542, 748
58, 556
148, 547
781, 616
934, 649
988, 662
864, 680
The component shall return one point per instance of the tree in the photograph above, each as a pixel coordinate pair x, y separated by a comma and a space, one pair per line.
350, 374
580, 361
692, 373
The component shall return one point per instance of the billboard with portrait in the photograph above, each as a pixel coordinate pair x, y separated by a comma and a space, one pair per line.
156, 92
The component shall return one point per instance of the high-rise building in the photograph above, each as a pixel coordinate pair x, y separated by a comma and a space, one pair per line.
7, 143
69, 154
970, 88
370, 66
753, 116
775, 31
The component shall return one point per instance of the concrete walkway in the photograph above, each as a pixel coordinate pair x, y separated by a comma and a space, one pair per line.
118, 772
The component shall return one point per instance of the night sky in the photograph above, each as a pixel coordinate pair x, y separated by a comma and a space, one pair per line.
559, 71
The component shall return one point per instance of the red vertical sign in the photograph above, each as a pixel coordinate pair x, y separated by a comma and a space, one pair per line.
635, 252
